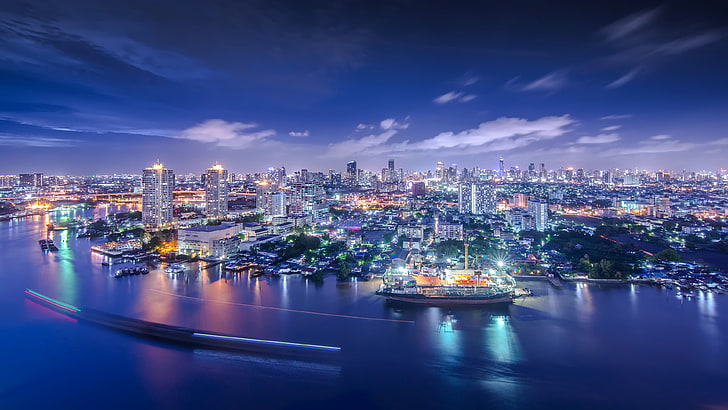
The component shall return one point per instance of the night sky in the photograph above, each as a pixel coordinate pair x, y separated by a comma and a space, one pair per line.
99, 87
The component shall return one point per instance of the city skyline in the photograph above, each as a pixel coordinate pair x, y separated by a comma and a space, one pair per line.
109, 89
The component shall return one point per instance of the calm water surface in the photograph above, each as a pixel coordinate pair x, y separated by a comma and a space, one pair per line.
584, 346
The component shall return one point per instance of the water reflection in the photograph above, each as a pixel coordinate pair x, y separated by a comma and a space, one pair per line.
584, 302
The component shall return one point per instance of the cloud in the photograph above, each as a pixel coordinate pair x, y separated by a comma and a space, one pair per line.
629, 76
651, 146
502, 134
550, 82
391, 123
357, 146
37, 142
299, 133
364, 127
599, 139
448, 97
660, 137
642, 38
226, 134
616, 117
611, 128
458, 96
470, 80
630, 25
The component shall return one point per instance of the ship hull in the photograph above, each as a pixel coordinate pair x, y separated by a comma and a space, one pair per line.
449, 301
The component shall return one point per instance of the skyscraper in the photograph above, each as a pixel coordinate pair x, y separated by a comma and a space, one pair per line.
351, 173
216, 191
477, 198
501, 168
157, 188
539, 210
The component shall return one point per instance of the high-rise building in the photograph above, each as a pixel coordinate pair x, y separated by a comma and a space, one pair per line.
539, 210
351, 172
34, 180
520, 200
477, 198
501, 168
263, 191
157, 188
216, 191
440, 171
276, 206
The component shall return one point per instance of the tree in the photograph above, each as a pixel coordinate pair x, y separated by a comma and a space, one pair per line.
668, 254
318, 275
344, 270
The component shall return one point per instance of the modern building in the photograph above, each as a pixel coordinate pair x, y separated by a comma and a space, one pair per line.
215, 241
477, 198
31, 180
216, 191
351, 172
520, 200
157, 188
449, 231
539, 210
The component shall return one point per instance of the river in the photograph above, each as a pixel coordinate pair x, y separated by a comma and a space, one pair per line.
583, 346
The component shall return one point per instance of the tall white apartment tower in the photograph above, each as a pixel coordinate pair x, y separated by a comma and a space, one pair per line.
157, 187
216, 191
539, 210
477, 198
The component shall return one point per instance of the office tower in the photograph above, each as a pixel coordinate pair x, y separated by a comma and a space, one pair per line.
216, 191
477, 198
157, 188
391, 175
439, 171
34, 180
351, 172
539, 210
501, 168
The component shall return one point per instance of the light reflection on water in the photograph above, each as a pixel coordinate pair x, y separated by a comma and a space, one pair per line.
561, 337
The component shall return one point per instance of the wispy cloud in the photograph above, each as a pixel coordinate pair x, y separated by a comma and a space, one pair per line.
642, 39
660, 137
392, 124
502, 134
626, 78
363, 126
226, 134
611, 128
299, 134
550, 82
451, 96
599, 139
616, 117
630, 25
651, 146
37, 142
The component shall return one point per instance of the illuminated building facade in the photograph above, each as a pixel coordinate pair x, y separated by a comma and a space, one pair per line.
216, 191
157, 188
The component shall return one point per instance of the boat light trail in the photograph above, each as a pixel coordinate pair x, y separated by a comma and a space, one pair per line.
377, 319
267, 342
54, 302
